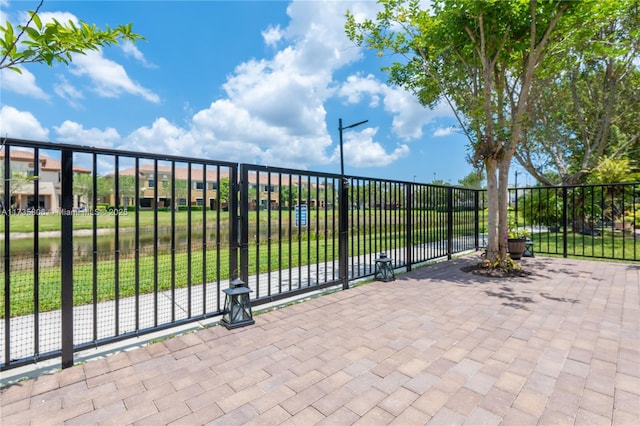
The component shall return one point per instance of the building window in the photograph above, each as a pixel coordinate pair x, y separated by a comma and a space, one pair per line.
268, 188
152, 183
199, 202
198, 186
182, 202
214, 186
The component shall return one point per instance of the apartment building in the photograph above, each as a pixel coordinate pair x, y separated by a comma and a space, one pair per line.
26, 173
155, 188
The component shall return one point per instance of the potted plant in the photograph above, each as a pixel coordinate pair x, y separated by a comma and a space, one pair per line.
633, 217
517, 242
625, 222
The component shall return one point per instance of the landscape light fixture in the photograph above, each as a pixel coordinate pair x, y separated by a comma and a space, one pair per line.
384, 269
237, 305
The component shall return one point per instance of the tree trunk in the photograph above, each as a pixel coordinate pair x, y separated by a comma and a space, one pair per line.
493, 245
503, 204
498, 215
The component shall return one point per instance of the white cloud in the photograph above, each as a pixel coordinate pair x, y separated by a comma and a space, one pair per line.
71, 132
22, 83
68, 92
130, 49
162, 136
48, 17
272, 35
110, 79
409, 116
318, 31
355, 89
277, 93
20, 125
273, 112
444, 131
360, 150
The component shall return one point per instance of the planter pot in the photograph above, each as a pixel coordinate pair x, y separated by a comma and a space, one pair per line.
516, 247
622, 226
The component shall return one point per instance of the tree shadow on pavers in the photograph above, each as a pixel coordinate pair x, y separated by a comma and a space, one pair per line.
559, 299
514, 301
460, 272
548, 266
544, 267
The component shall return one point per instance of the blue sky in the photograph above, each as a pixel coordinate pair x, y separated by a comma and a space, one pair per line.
260, 82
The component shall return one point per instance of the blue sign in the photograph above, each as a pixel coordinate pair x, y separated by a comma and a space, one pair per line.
301, 215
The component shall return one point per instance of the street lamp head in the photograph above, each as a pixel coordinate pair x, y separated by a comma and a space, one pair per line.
351, 125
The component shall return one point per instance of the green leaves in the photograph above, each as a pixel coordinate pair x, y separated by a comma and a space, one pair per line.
55, 42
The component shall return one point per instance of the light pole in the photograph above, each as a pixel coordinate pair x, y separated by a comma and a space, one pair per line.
340, 129
343, 223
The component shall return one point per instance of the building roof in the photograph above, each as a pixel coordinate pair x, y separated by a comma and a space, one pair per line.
46, 163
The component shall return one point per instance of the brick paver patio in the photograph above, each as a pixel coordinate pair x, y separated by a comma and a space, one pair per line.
437, 346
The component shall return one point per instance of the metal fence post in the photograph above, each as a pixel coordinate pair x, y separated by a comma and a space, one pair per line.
565, 219
6, 207
409, 226
343, 225
239, 237
66, 262
476, 218
449, 222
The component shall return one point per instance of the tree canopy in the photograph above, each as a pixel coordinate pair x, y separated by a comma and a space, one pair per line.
481, 58
586, 101
473, 180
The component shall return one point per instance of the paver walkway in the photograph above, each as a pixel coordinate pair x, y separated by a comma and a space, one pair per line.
437, 346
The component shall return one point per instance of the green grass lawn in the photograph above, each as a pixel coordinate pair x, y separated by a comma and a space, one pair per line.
608, 245
52, 221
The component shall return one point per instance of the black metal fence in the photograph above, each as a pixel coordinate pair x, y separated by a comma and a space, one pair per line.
104, 245
596, 221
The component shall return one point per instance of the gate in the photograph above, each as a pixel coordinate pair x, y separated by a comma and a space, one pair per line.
289, 232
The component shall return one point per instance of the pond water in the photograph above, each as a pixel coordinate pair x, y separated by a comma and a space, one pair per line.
49, 249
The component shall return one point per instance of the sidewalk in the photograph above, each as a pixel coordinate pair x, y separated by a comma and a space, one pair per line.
436, 346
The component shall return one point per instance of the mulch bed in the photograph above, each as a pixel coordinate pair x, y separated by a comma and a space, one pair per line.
486, 271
